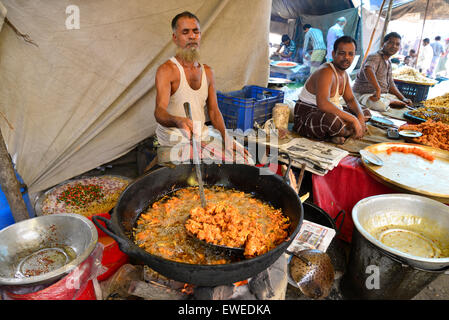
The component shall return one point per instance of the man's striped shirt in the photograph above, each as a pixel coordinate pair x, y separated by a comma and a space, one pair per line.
316, 37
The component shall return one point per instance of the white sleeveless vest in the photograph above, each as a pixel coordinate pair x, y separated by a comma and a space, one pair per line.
307, 97
197, 99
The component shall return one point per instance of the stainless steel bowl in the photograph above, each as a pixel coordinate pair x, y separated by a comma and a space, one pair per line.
43, 249
420, 216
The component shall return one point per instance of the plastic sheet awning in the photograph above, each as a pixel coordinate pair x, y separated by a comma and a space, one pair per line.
79, 98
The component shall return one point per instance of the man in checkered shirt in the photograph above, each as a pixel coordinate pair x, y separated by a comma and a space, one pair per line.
374, 86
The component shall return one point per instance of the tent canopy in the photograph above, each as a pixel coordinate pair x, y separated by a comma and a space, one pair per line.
289, 9
79, 98
437, 9
320, 14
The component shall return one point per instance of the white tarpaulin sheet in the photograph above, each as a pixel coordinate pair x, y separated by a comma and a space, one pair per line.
2, 15
369, 20
78, 98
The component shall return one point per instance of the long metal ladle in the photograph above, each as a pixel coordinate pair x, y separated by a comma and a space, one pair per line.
196, 159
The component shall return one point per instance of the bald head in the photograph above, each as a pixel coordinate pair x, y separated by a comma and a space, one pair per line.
341, 21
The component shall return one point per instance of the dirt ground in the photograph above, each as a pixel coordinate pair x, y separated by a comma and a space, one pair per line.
437, 290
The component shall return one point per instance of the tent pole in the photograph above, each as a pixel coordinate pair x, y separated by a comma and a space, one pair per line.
387, 20
422, 33
374, 31
10, 185
361, 24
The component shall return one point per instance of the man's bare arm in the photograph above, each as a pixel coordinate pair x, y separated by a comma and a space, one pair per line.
212, 104
287, 55
394, 90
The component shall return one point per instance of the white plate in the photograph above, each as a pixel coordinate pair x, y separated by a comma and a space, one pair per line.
410, 133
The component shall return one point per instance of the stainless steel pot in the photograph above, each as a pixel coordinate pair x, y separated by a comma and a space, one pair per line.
379, 271
44, 249
418, 214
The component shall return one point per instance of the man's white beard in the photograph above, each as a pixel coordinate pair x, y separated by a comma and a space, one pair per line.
188, 54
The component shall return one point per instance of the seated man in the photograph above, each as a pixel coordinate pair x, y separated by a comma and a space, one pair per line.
183, 79
289, 49
318, 112
407, 62
413, 57
374, 86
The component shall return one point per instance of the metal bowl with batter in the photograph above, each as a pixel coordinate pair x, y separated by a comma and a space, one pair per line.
44, 249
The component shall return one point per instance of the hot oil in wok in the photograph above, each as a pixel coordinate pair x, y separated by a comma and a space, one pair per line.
160, 230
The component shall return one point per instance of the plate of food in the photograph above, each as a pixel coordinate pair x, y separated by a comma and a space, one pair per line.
411, 168
284, 64
428, 113
411, 75
408, 115
85, 196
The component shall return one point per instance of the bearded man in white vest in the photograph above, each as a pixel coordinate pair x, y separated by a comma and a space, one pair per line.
183, 79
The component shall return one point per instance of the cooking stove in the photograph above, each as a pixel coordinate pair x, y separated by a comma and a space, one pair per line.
270, 284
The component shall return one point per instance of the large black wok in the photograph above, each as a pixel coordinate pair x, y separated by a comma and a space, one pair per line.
153, 185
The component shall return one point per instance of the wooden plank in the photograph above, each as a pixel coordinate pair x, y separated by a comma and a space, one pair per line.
10, 185
154, 291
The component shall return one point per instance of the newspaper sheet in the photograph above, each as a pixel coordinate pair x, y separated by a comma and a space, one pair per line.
312, 236
319, 157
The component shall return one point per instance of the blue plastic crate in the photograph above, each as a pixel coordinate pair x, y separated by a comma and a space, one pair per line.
240, 109
6, 218
413, 91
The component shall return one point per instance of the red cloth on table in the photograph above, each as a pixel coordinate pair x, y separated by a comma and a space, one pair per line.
342, 188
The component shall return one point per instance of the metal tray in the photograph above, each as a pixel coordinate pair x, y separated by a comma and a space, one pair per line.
415, 119
41, 197
410, 173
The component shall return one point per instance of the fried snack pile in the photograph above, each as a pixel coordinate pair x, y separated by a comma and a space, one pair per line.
161, 230
219, 223
414, 150
432, 113
411, 75
440, 101
222, 224
434, 134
